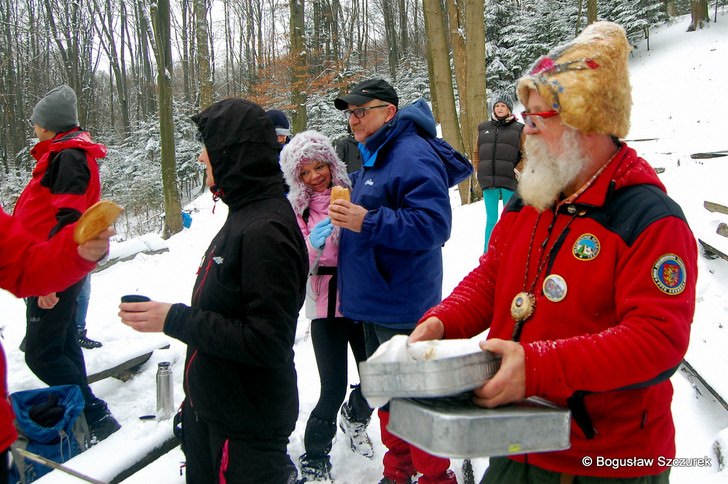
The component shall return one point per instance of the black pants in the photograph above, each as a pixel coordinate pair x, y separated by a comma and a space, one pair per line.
4, 466
375, 335
330, 339
212, 453
51, 345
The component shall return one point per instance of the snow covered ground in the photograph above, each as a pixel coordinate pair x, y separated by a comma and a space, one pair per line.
680, 90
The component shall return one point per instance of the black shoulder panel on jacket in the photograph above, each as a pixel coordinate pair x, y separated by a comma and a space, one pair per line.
68, 173
631, 210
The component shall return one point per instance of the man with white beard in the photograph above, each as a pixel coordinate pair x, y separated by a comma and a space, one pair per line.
589, 286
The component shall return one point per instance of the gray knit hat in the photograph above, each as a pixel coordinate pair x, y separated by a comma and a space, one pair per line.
505, 99
57, 110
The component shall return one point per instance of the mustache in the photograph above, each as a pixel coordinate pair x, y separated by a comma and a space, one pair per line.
550, 168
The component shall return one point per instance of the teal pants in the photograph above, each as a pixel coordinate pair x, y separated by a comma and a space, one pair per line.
491, 196
503, 470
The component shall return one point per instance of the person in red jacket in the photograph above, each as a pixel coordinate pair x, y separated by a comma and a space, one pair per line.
589, 286
30, 267
64, 183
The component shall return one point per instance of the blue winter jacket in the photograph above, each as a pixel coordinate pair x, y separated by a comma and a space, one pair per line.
390, 273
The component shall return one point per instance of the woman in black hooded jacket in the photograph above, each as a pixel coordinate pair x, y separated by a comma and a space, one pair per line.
241, 397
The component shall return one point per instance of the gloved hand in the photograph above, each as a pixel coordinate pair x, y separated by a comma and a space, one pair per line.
320, 232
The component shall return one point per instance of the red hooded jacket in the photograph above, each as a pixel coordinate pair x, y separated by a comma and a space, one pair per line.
628, 262
65, 183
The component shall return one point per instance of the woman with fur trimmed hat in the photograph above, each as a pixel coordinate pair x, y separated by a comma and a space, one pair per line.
498, 159
311, 167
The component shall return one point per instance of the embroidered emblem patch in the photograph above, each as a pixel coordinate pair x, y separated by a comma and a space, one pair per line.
586, 247
668, 273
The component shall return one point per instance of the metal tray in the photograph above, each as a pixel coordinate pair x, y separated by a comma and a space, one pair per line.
455, 427
428, 378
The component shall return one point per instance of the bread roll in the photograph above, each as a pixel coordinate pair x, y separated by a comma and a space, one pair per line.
97, 218
340, 193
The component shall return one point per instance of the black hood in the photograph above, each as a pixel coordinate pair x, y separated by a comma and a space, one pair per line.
243, 150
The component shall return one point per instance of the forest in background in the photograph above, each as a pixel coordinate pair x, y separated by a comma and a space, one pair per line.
134, 74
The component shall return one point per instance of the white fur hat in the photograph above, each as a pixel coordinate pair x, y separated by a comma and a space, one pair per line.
586, 81
304, 148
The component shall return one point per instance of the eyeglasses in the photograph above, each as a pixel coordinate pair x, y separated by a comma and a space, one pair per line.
31, 123
360, 112
528, 121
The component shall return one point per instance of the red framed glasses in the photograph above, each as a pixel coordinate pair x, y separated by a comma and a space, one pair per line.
528, 121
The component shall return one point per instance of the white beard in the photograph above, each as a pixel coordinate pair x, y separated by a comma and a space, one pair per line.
547, 173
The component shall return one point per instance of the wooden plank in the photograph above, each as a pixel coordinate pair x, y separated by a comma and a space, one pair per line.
715, 207
150, 457
708, 154
712, 250
722, 229
123, 369
703, 387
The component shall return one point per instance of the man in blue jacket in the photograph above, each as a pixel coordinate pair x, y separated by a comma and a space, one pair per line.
399, 217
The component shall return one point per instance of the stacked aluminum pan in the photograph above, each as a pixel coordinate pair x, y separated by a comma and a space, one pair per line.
431, 408
428, 378
457, 428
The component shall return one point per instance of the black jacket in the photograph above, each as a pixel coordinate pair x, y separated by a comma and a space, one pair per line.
347, 149
499, 150
240, 330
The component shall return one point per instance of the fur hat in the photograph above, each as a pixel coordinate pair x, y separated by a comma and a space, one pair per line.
304, 148
586, 81
57, 110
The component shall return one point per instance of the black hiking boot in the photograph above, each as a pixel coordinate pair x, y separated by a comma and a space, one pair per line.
315, 469
85, 342
101, 423
101, 429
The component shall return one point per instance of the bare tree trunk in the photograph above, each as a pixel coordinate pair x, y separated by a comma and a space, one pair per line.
698, 14
577, 29
403, 33
105, 29
390, 31
438, 57
204, 76
670, 7
591, 11
186, 40
299, 77
163, 52
475, 107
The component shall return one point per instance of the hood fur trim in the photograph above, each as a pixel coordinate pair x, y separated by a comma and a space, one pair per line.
304, 148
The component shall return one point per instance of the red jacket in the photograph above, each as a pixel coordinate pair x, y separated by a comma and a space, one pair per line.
30, 268
629, 262
65, 183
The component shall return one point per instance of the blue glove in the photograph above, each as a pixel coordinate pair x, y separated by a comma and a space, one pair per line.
320, 231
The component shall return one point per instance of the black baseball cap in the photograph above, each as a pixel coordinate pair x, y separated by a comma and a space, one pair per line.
366, 91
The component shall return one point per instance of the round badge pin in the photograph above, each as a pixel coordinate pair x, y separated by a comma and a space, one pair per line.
554, 288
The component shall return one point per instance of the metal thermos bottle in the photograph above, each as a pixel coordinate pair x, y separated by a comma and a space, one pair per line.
165, 390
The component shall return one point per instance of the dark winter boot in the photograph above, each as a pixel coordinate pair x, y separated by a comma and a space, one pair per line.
101, 423
357, 432
315, 469
87, 343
